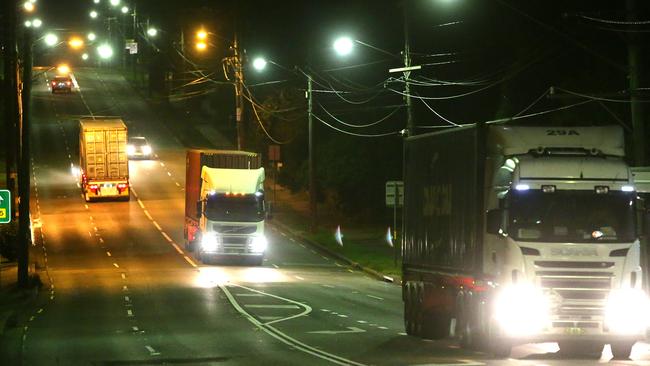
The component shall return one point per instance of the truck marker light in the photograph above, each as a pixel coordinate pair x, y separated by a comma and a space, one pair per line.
522, 187
601, 189
548, 188
627, 188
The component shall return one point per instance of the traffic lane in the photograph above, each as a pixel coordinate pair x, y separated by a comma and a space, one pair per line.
84, 319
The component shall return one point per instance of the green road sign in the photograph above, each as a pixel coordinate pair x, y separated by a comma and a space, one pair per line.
5, 206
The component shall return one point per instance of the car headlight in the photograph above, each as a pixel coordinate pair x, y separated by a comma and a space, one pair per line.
210, 242
146, 149
522, 309
259, 244
627, 311
130, 149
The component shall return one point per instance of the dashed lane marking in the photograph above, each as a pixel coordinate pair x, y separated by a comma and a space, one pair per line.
190, 261
156, 225
249, 295
375, 297
116, 265
300, 278
152, 351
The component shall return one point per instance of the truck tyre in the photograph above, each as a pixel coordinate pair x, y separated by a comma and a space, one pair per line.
621, 350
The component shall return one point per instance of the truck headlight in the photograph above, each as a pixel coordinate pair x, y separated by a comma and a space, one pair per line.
146, 149
130, 149
259, 244
522, 310
210, 242
627, 311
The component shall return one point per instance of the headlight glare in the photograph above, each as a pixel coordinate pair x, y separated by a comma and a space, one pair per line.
259, 244
522, 310
146, 149
627, 311
210, 242
130, 149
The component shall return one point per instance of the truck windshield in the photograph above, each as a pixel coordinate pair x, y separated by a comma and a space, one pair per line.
247, 208
572, 216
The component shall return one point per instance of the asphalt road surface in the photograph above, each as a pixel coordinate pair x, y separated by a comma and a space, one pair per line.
122, 290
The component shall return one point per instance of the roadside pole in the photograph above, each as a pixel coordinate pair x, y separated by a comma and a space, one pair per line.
239, 96
312, 176
24, 233
10, 95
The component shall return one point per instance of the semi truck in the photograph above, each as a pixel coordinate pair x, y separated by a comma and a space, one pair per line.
518, 235
103, 160
224, 206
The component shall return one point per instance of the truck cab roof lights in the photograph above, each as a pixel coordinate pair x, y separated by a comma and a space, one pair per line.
601, 189
522, 187
627, 188
548, 188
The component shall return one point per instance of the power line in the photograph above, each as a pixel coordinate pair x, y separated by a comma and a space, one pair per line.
364, 125
355, 134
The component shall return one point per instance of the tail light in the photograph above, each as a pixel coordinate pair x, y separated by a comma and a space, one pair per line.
54, 83
93, 187
67, 83
122, 186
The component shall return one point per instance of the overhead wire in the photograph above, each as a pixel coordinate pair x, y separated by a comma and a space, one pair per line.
355, 134
360, 126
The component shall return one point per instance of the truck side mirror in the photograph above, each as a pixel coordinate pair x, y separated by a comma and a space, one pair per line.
199, 209
494, 221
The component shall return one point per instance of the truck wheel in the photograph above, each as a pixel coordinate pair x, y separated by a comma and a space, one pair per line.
621, 350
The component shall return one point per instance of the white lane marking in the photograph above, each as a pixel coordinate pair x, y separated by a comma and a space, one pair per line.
127, 299
271, 306
282, 233
162, 164
375, 297
116, 265
146, 213
285, 338
141, 204
86, 206
401, 333
382, 328
178, 184
123, 275
300, 278
129, 312
177, 248
108, 253
350, 330
269, 317
125, 288
362, 321
292, 239
101, 240
152, 351
325, 310
170, 174
191, 262
342, 316
328, 286
338, 264
156, 225
275, 265
135, 329
249, 295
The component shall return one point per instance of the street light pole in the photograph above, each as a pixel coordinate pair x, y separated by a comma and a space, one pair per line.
312, 179
24, 233
10, 93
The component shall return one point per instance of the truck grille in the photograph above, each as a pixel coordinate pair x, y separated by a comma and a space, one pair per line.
234, 229
579, 295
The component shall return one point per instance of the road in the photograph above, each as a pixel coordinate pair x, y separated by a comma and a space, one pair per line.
122, 290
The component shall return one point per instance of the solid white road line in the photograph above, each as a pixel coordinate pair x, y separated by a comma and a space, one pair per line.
271, 306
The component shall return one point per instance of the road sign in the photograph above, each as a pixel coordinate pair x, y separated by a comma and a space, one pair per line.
132, 46
392, 188
5, 206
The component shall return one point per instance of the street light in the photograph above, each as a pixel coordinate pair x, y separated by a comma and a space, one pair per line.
115, 2
259, 63
36, 23
93, 14
201, 46
96, 1
91, 36
84, 56
125, 9
29, 6
105, 51
152, 32
201, 35
51, 39
343, 46
76, 42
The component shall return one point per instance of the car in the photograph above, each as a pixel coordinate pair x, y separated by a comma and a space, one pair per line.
138, 148
63, 83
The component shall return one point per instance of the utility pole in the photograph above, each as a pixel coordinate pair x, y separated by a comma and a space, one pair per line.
312, 178
410, 124
10, 92
636, 107
24, 233
239, 96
